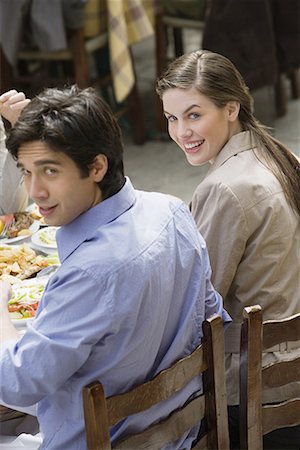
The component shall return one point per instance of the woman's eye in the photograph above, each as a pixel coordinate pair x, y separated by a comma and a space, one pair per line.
194, 115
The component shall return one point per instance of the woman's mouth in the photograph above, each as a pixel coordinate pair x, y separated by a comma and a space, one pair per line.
193, 147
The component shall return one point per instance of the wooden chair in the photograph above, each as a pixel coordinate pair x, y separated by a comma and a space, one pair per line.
208, 359
257, 419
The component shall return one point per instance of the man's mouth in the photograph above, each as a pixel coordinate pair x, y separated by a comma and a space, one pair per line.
46, 210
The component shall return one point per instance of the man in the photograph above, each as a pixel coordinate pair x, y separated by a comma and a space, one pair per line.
134, 284
13, 196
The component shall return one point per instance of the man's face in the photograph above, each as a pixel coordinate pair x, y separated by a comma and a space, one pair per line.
53, 181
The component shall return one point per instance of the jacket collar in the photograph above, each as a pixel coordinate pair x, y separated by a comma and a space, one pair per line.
238, 143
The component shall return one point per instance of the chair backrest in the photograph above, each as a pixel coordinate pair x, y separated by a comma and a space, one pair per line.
208, 359
257, 419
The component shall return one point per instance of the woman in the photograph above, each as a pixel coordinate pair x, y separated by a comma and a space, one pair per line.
13, 196
247, 207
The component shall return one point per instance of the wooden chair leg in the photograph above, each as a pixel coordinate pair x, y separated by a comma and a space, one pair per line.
280, 96
6, 75
294, 76
161, 62
136, 116
178, 42
135, 112
80, 58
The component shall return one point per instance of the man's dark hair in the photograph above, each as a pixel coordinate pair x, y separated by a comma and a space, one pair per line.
78, 123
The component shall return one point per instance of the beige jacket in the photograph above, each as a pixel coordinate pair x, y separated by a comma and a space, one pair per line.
253, 239
13, 196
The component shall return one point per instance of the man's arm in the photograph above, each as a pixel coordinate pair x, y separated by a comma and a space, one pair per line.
8, 332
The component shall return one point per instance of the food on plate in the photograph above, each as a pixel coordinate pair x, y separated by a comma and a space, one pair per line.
20, 222
25, 232
22, 261
35, 213
45, 237
25, 298
7, 218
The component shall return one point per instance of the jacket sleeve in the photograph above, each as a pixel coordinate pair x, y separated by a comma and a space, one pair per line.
221, 220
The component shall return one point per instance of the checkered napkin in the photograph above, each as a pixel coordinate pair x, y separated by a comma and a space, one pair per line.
128, 23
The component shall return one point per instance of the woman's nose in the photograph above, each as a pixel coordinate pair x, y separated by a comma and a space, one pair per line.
184, 130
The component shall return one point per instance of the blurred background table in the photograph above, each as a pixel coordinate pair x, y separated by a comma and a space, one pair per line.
55, 43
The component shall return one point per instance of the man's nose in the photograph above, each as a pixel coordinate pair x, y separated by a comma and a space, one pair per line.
36, 188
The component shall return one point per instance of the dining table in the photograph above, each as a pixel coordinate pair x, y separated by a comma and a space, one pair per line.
9, 416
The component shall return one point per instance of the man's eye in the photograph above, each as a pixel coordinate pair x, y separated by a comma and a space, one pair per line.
25, 173
50, 171
171, 118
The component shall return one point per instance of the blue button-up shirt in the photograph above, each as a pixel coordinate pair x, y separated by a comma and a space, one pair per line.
128, 300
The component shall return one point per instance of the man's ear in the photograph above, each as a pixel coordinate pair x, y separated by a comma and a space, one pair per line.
99, 167
233, 109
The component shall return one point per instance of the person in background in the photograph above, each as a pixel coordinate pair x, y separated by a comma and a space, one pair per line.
134, 284
247, 207
13, 196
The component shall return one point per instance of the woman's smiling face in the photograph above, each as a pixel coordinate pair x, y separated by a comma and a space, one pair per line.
197, 125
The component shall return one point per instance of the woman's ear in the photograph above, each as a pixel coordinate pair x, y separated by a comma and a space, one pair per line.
99, 167
233, 109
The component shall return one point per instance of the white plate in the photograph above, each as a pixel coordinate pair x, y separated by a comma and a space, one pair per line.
45, 238
44, 250
22, 323
34, 227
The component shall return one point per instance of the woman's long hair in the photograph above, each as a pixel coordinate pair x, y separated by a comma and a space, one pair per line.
214, 76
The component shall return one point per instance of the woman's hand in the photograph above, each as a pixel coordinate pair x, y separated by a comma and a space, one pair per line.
11, 104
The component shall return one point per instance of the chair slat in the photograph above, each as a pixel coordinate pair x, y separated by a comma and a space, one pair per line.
202, 444
158, 389
179, 22
167, 431
280, 373
286, 414
277, 331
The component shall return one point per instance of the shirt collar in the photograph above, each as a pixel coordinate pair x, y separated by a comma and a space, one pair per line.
238, 143
70, 236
